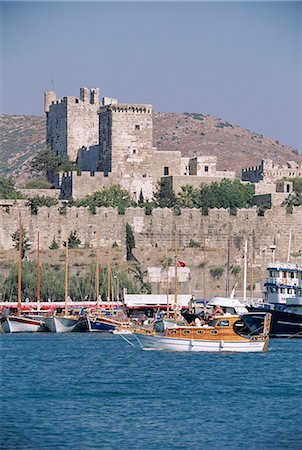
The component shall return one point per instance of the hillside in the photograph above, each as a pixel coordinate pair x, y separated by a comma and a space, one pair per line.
191, 133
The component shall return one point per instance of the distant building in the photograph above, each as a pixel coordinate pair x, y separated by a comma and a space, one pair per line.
270, 172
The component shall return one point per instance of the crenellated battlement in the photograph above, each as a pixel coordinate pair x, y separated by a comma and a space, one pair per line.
128, 108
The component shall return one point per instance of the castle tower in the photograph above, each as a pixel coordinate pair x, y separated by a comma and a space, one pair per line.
49, 98
72, 123
125, 137
126, 145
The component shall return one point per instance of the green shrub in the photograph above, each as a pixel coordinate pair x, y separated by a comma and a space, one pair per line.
216, 272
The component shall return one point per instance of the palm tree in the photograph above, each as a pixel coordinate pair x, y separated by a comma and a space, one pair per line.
186, 196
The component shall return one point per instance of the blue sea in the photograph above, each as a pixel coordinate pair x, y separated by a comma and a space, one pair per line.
94, 391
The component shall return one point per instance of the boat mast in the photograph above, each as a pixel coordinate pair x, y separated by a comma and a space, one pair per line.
245, 270
227, 286
108, 278
38, 273
97, 269
167, 286
204, 268
66, 272
20, 266
176, 282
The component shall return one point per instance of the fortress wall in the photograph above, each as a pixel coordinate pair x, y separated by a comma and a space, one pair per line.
161, 229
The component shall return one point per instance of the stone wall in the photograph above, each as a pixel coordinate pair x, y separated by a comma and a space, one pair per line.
158, 230
54, 193
162, 231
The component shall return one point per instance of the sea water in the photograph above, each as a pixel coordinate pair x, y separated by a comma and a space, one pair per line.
95, 391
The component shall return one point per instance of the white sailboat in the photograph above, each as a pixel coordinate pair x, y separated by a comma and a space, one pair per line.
16, 323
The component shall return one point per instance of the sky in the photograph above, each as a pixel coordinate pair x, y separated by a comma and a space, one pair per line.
239, 61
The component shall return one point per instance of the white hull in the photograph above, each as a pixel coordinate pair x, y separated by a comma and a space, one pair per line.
60, 324
193, 345
19, 325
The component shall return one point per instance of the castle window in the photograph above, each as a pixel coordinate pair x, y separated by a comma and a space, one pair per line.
206, 168
137, 127
77, 100
166, 170
134, 151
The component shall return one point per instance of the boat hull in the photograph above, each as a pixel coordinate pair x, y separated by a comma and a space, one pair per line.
19, 325
61, 324
194, 345
101, 326
283, 324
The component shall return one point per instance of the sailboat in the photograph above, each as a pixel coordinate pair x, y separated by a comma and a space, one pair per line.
65, 321
16, 323
98, 321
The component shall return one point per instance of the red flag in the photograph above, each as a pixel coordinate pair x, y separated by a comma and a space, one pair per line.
181, 264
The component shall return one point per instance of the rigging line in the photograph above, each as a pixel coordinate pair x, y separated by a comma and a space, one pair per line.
127, 340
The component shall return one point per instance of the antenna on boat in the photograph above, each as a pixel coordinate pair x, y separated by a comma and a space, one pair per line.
66, 272
233, 291
245, 270
38, 273
97, 268
289, 245
167, 285
20, 266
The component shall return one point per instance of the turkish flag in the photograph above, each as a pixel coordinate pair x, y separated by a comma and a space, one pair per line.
181, 264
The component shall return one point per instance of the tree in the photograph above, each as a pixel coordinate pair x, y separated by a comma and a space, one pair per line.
230, 194
7, 189
54, 245
216, 272
141, 200
44, 161
47, 161
73, 240
164, 196
130, 242
186, 196
113, 196
25, 245
138, 275
36, 202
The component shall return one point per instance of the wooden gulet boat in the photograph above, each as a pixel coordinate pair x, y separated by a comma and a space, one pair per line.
248, 333
99, 322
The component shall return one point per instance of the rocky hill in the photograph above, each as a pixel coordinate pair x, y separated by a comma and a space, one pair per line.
21, 137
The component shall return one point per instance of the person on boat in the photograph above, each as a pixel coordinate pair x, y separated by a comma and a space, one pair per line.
198, 322
218, 311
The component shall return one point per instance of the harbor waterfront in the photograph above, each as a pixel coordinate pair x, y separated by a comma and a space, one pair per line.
76, 391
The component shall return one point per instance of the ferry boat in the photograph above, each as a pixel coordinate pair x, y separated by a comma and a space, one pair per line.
283, 299
231, 333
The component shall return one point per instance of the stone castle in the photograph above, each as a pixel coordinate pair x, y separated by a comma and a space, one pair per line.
112, 143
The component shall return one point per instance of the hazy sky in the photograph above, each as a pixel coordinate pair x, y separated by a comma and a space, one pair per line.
240, 61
